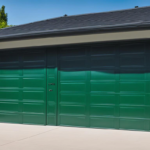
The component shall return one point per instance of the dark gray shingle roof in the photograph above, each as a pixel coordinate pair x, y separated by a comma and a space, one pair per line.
121, 18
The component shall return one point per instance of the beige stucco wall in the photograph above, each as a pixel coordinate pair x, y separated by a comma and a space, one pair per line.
88, 38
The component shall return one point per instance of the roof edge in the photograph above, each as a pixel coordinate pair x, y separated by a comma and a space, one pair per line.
80, 29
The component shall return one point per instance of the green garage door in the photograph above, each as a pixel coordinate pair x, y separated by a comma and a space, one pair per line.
23, 86
87, 86
104, 87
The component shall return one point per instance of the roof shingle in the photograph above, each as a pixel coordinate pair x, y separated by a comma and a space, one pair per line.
137, 16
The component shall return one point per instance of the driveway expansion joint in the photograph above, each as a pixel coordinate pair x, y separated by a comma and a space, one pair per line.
29, 137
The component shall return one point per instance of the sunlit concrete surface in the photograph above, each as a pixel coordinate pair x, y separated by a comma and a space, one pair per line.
30, 137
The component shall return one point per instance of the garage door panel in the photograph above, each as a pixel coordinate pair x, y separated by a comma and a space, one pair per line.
102, 111
132, 61
102, 122
132, 112
106, 62
14, 65
34, 119
134, 124
72, 87
34, 72
72, 120
102, 51
133, 100
10, 73
109, 87
33, 56
9, 95
9, 58
22, 83
103, 75
34, 59
73, 64
72, 98
9, 107
132, 49
103, 99
34, 83
132, 75
34, 89
72, 76
9, 83
9, 61
72, 109
117, 86
33, 96
11, 117
72, 52
40, 64
34, 107
133, 87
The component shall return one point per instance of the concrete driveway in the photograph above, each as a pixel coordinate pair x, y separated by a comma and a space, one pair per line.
29, 137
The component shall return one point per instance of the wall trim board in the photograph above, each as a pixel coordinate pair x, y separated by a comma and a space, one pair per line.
77, 39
